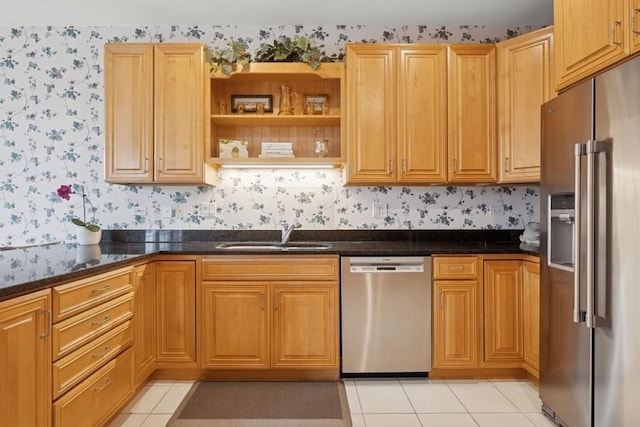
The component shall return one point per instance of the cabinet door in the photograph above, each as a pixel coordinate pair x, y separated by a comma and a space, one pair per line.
472, 113
589, 36
457, 323
176, 320
503, 327
144, 321
235, 331
179, 112
531, 312
305, 324
371, 114
634, 33
25, 360
128, 86
525, 82
422, 119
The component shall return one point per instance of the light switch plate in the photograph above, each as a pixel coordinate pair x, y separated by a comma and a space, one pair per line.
379, 210
208, 210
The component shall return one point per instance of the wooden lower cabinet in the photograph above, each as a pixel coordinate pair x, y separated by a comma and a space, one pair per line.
270, 313
488, 326
144, 321
176, 317
531, 315
25, 360
457, 325
305, 327
236, 331
503, 326
96, 399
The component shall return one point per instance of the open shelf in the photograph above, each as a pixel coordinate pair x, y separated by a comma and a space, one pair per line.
298, 129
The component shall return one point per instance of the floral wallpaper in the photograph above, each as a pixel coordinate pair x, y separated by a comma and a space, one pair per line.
52, 133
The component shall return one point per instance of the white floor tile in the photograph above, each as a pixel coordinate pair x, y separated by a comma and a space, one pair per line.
482, 397
522, 395
357, 420
447, 420
539, 420
156, 420
352, 396
383, 397
128, 420
432, 397
147, 398
395, 420
171, 400
502, 420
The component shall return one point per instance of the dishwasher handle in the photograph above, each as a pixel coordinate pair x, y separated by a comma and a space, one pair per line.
386, 268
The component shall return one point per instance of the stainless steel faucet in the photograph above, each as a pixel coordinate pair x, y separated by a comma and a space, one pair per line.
287, 230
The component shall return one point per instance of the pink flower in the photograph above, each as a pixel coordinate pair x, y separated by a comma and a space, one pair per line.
65, 192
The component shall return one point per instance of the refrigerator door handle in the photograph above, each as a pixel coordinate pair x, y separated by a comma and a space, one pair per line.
579, 150
592, 149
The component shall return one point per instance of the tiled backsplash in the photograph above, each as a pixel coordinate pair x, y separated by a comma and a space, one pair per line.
52, 133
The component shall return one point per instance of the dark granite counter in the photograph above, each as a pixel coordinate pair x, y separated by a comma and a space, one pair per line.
30, 269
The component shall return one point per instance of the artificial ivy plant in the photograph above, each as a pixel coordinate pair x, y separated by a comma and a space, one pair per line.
283, 49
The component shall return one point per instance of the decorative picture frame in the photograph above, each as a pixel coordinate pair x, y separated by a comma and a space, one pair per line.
315, 103
251, 103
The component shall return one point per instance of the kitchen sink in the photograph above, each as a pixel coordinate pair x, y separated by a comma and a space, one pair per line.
274, 246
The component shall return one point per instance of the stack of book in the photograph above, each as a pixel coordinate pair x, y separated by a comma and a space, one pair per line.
276, 149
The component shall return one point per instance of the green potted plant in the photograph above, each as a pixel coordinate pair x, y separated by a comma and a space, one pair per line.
232, 58
283, 49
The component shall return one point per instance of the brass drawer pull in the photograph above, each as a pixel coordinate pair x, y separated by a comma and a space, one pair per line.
455, 267
100, 355
107, 383
101, 322
103, 289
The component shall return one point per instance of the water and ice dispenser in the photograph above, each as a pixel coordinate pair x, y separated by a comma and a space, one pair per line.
561, 230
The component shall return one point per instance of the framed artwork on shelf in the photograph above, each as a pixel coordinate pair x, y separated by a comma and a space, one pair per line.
316, 104
251, 103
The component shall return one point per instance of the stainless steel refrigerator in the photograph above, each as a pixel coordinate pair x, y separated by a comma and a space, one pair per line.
590, 252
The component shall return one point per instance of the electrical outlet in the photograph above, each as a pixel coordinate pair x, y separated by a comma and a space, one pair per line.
208, 210
166, 212
496, 210
379, 210
180, 211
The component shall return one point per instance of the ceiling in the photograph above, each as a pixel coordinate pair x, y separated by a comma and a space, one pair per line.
276, 12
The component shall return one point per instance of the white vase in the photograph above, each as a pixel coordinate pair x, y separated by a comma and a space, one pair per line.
88, 237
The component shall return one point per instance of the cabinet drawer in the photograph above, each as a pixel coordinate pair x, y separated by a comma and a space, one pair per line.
75, 297
455, 267
281, 267
95, 400
73, 368
72, 333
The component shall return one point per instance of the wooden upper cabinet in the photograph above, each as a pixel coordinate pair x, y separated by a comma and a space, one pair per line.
472, 113
128, 85
371, 112
156, 105
422, 119
525, 82
396, 117
589, 36
634, 33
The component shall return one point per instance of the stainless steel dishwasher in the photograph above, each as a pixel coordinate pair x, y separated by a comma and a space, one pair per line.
386, 315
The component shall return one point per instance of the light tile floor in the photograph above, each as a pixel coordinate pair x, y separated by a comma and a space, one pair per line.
388, 402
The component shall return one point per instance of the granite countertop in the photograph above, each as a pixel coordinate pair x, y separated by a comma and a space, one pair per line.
28, 269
